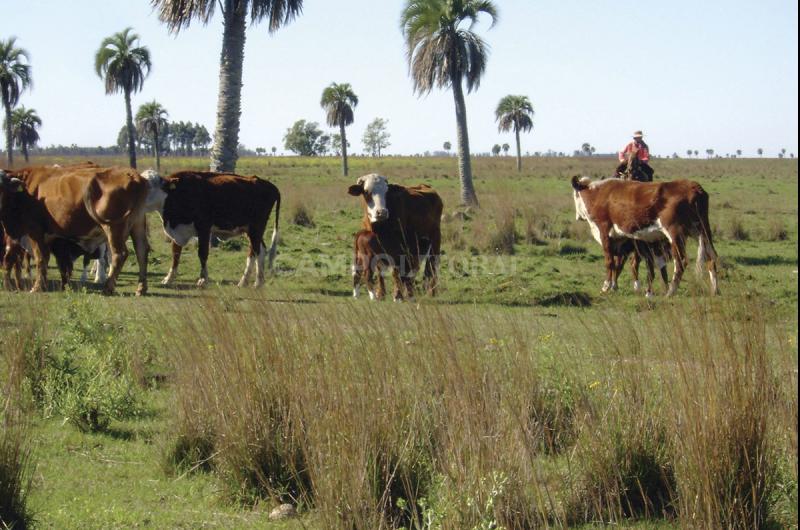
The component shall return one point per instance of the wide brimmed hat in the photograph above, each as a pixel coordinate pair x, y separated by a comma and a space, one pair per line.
638, 134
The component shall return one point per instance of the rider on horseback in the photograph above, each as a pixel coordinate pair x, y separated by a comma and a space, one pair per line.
634, 160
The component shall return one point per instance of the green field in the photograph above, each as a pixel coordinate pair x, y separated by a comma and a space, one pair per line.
519, 397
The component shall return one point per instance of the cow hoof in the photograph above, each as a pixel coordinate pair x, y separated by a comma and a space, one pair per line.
141, 290
649, 295
372, 295
637, 286
241, 283
258, 283
166, 281
201, 283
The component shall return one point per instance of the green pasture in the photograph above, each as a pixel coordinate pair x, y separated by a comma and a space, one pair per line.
520, 286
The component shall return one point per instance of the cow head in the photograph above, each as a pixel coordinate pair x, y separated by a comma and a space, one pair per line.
580, 184
373, 188
156, 190
9, 187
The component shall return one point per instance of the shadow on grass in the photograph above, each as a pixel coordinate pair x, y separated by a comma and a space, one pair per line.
763, 260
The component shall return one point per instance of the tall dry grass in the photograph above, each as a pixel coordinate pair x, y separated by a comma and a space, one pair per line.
378, 416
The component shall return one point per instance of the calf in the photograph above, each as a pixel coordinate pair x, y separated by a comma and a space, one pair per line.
199, 203
653, 254
649, 212
368, 261
406, 221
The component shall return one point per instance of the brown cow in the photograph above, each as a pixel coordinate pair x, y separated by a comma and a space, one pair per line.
13, 257
406, 221
368, 262
648, 212
87, 206
200, 203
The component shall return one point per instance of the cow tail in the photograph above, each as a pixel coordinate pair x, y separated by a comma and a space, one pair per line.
705, 249
87, 202
273, 247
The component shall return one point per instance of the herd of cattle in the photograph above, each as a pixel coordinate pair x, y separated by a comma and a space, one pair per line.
91, 211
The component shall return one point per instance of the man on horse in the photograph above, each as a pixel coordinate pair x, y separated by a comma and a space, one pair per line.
634, 160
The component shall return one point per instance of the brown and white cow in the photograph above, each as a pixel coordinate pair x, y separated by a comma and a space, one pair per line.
648, 212
655, 255
368, 262
201, 203
406, 221
87, 206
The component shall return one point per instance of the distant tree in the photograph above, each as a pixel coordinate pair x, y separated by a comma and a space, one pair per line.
506, 147
760, 151
783, 152
15, 77
202, 138
274, 150
447, 146
514, 113
586, 149
178, 14
738, 152
151, 121
306, 139
496, 149
24, 123
339, 100
443, 53
124, 66
336, 144
260, 151
376, 137
688, 152
696, 153
709, 153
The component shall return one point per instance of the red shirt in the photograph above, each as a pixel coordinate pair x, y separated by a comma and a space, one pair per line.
643, 155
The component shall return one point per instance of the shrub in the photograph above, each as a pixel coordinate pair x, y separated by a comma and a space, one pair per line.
302, 216
502, 239
15, 474
85, 374
776, 230
736, 230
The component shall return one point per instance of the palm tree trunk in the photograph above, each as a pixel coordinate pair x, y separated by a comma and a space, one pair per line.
158, 155
224, 153
344, 149
131, 130
25, 151
468, 196
519, 152
9, 139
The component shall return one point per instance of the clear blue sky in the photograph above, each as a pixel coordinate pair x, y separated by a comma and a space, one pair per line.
716, 74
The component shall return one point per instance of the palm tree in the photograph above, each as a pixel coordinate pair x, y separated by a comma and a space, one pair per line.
441, 52
689, 152
24, 123
124, 66
338, 101
178, 14
515, 113
15, 76
151, 119
760, 151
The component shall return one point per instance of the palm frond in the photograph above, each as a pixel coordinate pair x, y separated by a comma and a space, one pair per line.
15, 71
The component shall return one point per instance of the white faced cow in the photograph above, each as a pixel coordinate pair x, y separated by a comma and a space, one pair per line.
648, 212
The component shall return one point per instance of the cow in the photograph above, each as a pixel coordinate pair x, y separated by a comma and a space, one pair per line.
201, 203
13, 257
648, 212
406, 222
86, 205
368, 262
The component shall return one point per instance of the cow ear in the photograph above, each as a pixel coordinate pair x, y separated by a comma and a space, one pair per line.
577, 185
355, 190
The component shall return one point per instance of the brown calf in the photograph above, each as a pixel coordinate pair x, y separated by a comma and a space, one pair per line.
367, 263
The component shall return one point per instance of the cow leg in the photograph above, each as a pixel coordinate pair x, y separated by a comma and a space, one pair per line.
64, 263
85, 271
117, 237
176, 259
203, 242
650, 263
354, 269
248, 267
261, 251
102, 264
397, 296
608, 284
679, 257
142, 247
41, 254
